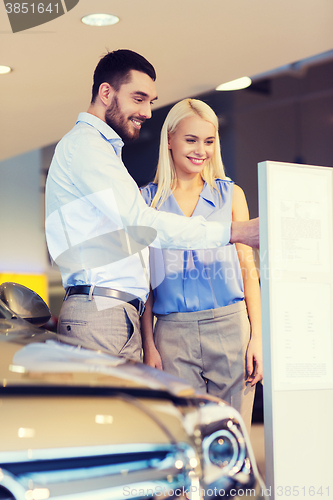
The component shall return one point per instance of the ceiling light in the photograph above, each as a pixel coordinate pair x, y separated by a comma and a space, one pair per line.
100, 20
24, 432
4, 70
104, 419
17, 369
240, 83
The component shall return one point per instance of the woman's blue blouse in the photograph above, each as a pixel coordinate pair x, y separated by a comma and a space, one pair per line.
196, 280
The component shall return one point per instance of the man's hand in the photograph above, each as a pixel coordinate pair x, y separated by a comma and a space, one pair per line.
246, 232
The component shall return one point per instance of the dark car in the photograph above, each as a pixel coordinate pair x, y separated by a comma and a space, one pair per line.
82, 424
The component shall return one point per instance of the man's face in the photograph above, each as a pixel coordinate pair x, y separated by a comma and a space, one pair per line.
131, 106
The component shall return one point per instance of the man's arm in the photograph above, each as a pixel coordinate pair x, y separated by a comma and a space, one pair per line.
101, 178
97, 172
246, 232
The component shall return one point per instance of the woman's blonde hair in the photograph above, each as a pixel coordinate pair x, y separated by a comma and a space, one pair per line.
166, 174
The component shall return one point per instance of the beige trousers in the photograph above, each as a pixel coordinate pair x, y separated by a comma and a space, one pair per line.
100, 323
208, 349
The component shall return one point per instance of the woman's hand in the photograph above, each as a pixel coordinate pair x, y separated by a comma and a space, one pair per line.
151, 357
254, 361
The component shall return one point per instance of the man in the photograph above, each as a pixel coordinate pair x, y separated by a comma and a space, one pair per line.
97, 224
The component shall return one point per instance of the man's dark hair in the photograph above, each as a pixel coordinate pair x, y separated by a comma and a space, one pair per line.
114, 68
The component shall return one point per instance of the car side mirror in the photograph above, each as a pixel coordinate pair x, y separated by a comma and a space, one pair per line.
25, 303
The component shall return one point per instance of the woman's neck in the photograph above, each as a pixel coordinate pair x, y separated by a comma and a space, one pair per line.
187, 193
189, 183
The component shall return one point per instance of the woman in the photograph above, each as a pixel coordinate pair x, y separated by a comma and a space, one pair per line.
208, 328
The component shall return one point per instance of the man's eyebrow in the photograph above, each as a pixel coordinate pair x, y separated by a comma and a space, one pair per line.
143, 94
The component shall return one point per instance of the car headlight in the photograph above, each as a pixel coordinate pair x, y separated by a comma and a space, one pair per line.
227, 459
226, 449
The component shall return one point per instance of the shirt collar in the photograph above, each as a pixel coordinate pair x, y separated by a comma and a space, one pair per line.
101, 126
207, 194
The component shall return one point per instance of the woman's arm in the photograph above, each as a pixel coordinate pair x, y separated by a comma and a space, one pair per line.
151, 355
240, 212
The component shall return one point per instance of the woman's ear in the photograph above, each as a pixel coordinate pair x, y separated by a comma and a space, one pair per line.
169, 146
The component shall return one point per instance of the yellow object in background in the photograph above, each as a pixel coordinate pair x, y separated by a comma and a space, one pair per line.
37, 282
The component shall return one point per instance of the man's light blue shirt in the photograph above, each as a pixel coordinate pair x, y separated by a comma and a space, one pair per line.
92, 203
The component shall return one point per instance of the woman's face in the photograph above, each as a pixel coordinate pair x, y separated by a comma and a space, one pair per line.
192, 145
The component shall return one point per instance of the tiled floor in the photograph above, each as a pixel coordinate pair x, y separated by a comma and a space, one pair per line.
258, 444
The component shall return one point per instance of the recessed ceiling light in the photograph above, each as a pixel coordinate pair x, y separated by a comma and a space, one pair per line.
4, 70
100, 20
240, 83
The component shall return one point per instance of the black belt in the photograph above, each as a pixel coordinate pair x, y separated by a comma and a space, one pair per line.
107, 292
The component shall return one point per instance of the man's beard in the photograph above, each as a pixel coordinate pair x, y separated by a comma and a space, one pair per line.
120, 124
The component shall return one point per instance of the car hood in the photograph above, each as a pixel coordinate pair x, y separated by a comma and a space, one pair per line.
30, 357
95, 398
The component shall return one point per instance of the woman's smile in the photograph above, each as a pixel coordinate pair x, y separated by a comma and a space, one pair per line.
196, 161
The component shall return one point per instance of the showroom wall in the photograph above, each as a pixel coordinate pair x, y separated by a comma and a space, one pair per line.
22, 248
290, 119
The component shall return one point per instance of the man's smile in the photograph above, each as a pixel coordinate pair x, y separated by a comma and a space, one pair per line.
137, 123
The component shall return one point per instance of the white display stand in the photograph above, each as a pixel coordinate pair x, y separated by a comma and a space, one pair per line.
296, 269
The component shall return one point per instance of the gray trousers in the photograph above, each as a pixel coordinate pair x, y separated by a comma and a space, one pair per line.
208, 349
102, 323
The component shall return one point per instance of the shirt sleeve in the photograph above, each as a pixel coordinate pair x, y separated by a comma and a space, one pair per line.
99, 173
